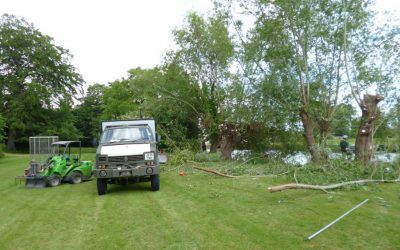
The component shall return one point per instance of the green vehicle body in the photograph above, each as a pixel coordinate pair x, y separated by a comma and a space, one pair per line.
60, 167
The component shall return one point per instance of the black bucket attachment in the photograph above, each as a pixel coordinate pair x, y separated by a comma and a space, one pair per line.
35, 182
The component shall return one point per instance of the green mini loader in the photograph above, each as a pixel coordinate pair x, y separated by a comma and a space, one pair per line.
65, 166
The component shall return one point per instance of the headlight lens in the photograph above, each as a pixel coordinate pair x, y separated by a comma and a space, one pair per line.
103, 173
149, 156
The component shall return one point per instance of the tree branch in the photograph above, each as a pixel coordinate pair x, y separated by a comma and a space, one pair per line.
327, 187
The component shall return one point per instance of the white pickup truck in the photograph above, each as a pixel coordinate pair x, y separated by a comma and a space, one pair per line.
127, 153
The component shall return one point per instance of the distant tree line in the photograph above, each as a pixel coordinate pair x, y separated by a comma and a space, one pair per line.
251, 75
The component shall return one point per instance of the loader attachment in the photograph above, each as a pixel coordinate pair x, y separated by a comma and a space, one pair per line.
33, 177
35, 182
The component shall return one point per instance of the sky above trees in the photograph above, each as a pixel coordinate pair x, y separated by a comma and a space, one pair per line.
109, 38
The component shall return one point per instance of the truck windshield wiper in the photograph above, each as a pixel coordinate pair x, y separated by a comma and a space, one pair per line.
119, 140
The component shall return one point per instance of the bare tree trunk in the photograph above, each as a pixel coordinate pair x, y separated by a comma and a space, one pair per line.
12, 135
230, 137
324, 131
364, 145
213, 147
308, 136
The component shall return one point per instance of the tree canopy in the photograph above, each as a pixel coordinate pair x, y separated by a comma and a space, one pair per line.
37, 80
296, 69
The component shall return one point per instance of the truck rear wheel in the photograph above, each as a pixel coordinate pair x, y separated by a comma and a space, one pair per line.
155, 182
101, 186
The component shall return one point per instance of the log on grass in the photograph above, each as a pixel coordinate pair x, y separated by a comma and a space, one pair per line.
212, 171
325, 187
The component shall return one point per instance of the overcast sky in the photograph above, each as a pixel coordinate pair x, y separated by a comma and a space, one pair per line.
107, 38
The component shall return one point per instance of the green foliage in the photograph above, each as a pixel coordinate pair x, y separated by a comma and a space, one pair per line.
341, 170
180, 157
205, 51
37, 80
88, 114
208, 157
343, 119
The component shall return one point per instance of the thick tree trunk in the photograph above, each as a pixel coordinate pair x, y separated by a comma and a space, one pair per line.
213, 147
324, 131
309, 137
364, 145
12, 135
230, 137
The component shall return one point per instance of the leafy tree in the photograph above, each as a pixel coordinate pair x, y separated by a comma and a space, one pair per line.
88, 113
119, 101
296, 54
342, 120
371, 55
205, 51
165, 94
36, 77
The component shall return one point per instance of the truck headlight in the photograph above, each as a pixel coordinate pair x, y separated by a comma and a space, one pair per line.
103, 173
149, 156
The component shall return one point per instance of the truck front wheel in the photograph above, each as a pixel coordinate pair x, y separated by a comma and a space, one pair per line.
101, 186
155, 182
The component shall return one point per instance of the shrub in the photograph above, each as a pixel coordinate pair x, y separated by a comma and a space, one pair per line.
180, 157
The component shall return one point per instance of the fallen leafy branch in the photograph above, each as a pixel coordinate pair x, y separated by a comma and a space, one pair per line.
326, 187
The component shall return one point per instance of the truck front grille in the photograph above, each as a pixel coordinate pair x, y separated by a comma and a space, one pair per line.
130, 158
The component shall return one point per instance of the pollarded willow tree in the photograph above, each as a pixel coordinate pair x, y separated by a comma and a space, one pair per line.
371, 56
297, 52
37, 80
205, 51
295, 47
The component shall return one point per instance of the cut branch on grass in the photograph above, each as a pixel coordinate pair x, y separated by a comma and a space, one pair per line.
326, 187
214, 172
194, 165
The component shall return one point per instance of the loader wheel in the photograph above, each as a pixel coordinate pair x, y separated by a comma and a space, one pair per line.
101, 186
76, 178
54, 180
155, 182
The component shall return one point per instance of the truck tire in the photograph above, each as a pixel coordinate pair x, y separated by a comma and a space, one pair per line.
101, 186
76, 178
54, 180
155, 182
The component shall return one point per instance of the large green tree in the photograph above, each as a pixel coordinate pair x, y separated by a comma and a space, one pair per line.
88, 113
296, 55
36, 77
165, 94
205, 52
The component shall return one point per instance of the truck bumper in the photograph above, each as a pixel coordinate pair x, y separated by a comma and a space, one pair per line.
131, 172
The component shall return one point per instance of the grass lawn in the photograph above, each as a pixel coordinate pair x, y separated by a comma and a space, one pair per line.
196, 211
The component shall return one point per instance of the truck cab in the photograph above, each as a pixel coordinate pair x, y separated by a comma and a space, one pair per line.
127, 153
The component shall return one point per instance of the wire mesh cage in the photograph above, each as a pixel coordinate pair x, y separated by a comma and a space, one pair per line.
40, 148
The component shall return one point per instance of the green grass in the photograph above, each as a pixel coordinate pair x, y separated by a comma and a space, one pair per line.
196, 211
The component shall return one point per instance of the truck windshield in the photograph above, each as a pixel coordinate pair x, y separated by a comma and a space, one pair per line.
126, 134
